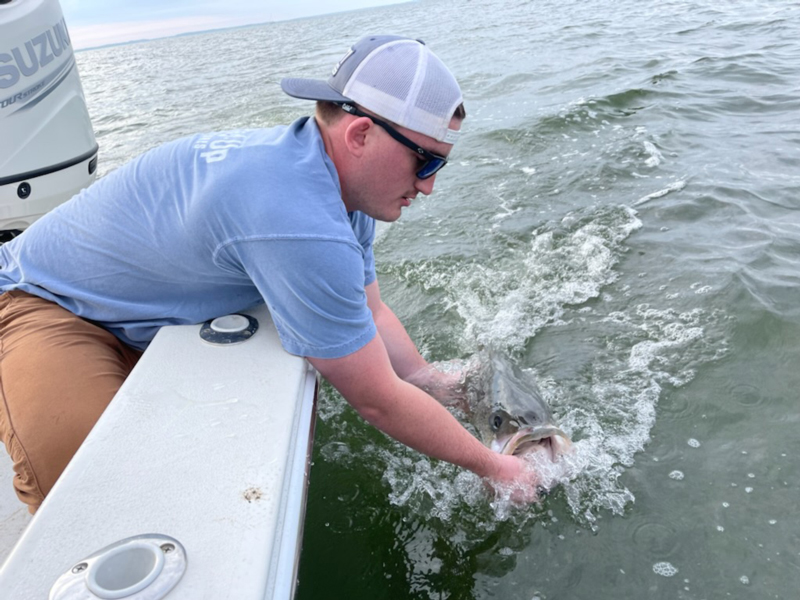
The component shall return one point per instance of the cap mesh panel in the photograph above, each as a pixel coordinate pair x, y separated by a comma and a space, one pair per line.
439, 92
391, 70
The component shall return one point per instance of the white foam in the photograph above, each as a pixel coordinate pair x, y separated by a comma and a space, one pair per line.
507, 306
654, 156
664, 569
673, 187
693, 443
677, 475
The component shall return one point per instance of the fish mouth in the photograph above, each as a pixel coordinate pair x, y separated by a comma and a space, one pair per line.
526, 439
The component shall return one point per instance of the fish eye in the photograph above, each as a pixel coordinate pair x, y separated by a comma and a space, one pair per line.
496, 421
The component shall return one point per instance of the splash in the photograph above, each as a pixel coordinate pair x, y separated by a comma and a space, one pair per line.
561, 279
504, 305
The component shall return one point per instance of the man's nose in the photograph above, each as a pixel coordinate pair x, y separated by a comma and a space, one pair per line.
425, 186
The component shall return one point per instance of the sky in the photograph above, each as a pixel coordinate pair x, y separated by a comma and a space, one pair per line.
94, 23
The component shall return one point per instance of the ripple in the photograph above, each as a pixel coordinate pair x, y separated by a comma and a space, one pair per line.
657, 539
746, 395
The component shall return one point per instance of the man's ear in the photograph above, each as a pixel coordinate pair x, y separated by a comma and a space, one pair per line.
356, 134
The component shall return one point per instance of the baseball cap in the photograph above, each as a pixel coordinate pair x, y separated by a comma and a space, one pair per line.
396, 78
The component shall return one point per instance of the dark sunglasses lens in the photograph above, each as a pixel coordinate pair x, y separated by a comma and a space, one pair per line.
431, 167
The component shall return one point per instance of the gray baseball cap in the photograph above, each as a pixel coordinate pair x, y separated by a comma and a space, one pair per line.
396, 78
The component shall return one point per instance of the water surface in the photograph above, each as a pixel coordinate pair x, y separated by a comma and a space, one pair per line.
621, 217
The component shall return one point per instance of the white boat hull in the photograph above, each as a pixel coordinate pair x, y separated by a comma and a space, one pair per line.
207, 444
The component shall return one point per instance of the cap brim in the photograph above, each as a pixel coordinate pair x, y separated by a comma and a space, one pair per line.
312, 89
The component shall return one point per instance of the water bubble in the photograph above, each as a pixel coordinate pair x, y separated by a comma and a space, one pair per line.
693, 443
664, 569
745, 579
725, 504
772, 521
751, 475
720, 528
677, 475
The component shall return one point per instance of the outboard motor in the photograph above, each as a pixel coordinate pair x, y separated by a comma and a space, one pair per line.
48, 152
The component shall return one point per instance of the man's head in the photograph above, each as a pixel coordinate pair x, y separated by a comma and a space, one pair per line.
390, 113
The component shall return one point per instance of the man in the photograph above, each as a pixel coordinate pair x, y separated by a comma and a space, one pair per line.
213, 224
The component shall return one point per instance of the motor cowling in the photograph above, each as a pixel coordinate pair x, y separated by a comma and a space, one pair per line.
48, 151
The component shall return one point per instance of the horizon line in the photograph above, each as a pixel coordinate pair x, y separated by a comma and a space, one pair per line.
232, 27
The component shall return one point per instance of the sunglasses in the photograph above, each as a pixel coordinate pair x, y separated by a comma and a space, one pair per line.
433, 162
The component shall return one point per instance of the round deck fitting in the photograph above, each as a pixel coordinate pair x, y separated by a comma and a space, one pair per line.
142, 567
230, 329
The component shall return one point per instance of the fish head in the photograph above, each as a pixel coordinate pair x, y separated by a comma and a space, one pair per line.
507, 433
509, 412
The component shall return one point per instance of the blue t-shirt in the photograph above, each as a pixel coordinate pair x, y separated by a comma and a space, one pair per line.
206, 226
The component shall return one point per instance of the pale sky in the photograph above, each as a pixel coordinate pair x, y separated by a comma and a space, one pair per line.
99, 22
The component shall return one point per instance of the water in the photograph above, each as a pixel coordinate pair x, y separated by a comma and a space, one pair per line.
621, 217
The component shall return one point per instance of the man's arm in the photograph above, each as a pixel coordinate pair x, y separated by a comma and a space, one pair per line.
403, 354
369, 383
406, 360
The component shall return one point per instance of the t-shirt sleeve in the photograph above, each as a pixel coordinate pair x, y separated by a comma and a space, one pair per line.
314, 290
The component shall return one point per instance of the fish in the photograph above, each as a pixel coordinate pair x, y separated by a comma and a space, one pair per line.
507, 409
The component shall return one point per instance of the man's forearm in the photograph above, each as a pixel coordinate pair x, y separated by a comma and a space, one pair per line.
403, 354
368, 382
446, 386
417, 420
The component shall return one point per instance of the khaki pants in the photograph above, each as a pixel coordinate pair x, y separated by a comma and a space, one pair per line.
58, 373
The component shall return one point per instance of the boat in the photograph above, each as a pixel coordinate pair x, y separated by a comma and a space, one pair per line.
193, 482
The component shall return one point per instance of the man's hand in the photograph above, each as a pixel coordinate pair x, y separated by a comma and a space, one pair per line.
445, 381
515, 479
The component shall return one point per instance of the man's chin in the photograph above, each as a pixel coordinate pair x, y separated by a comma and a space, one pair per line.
387, 218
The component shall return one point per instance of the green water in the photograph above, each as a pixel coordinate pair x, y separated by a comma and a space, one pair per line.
621, 218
